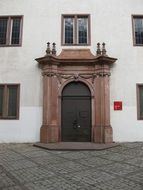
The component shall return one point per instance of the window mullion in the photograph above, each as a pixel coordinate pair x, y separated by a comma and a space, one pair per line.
75, 30
8, 31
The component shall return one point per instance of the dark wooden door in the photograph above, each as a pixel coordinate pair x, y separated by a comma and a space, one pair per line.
76, 115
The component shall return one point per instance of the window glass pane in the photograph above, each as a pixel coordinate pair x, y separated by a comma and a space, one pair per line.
1, 99
12, 101
3, 30
138, 30
68, 27
141, 100
15, 39
82, 30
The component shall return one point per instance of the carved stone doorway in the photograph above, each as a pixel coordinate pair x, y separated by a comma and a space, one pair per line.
82, 67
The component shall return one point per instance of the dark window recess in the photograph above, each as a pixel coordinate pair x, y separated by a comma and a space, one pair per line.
10, 30
9, 101
82, 30
12, 101
138, 30
3, 30
15, 39
1, 99
68, 30
141, 100
75, 30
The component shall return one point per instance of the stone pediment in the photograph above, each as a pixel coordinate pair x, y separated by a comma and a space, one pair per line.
76, 54
75, 57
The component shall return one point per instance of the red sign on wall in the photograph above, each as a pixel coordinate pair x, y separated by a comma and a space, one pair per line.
117, 105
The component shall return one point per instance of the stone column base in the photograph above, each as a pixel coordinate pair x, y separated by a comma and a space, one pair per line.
49, 134
108, 134
97, 135
102, 134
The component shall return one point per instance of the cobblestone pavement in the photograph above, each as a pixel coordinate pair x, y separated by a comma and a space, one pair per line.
24, 167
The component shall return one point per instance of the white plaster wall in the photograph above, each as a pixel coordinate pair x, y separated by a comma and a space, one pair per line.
125, 125
110, 23
26, 129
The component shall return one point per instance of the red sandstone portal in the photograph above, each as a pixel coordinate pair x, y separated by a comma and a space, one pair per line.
74, 65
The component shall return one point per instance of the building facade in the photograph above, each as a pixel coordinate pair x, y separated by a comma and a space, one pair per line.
71, 71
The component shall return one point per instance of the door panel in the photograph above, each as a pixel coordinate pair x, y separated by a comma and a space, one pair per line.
76, 119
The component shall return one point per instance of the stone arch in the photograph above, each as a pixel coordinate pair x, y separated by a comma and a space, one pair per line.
90, 86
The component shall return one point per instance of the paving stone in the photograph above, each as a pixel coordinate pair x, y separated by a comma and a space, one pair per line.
20, 164
132, 144
138, 161
31, 174
136, 176
116, 156
9, 155
66, 167
58, 152
134, 152
94, 162
53, 184
74, 155
118, 184
3, 147
13, 188
98, 153
23, 148
47, 160
5, 181
24, 167
89, 177
119, 149
35, 153
19, 145
119, 169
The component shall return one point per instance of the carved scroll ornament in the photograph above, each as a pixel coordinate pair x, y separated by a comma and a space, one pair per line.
76, 76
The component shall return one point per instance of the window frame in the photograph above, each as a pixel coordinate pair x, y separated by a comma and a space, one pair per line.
9, 30
139, 116
133, 30
5, 102
75, 29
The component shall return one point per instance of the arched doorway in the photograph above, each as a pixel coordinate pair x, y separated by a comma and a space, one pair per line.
76, 113
75, 122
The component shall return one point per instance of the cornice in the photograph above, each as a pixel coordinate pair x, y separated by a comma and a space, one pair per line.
76, 56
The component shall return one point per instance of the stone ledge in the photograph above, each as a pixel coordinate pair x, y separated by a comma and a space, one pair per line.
76, 146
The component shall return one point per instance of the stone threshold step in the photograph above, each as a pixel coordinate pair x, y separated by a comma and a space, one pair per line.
75, 146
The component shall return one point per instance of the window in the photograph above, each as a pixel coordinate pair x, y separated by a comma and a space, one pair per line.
75, 30
140, 100
10, 30
138, 30
9, 101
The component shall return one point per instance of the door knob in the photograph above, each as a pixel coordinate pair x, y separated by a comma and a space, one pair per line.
78, 126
